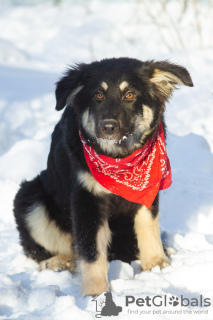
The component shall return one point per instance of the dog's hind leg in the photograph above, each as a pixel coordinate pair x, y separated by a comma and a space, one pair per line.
148, 236
50, 236
40, 235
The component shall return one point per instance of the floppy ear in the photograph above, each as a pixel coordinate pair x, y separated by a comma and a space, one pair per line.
68, 86
166, 76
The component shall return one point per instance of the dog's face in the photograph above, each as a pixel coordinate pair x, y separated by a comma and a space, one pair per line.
119, 102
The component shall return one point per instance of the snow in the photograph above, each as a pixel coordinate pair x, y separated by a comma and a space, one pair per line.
37, 42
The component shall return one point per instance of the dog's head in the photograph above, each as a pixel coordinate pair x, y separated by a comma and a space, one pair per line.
119, 102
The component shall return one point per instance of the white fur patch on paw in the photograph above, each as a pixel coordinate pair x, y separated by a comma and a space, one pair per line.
58, 263
170, 251
162, 262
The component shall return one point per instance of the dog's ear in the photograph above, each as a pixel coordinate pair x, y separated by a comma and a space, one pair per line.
68, 86
166, 76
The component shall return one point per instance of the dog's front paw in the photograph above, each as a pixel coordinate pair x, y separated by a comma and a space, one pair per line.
94, 286
148, 264
58, 263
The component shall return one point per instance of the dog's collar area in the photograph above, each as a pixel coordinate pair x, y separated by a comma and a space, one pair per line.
137, 177
105, 140
111, 160
121, 148
113, 141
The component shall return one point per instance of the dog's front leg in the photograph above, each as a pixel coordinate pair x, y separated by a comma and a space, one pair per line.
92, 237
148, 236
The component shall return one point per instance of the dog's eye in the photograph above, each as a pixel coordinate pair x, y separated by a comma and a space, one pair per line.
99, 96
129, 95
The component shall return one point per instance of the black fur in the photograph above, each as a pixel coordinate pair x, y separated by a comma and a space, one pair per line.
73, 208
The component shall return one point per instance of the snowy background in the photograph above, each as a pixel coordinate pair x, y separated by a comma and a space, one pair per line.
38, 39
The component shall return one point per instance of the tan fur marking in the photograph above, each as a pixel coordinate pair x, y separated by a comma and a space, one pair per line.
108, 146
144, 122
46, 232
147, 119
94, 275
165, 81
123, 85
104, 86
88, 123
73, 94
58, 263
103, 238
147, 115
89, 182
149, 241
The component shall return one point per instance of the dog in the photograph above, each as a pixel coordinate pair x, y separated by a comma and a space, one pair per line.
98, 199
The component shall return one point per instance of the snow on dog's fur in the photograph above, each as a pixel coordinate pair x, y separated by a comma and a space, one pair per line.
64, 214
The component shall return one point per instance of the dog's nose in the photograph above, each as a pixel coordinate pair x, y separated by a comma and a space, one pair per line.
109, 126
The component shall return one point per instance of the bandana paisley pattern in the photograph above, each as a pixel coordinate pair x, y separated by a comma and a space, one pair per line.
138, 177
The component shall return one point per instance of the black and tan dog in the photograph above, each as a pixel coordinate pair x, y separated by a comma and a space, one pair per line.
114, 107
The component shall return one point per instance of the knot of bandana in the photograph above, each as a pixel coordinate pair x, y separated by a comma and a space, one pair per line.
138, 177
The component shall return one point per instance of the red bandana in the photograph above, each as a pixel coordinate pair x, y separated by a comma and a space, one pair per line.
138, 177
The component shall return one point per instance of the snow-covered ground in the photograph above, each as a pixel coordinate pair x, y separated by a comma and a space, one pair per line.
37, 42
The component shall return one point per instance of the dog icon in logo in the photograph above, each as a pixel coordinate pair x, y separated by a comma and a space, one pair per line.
110, 308
107, 305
